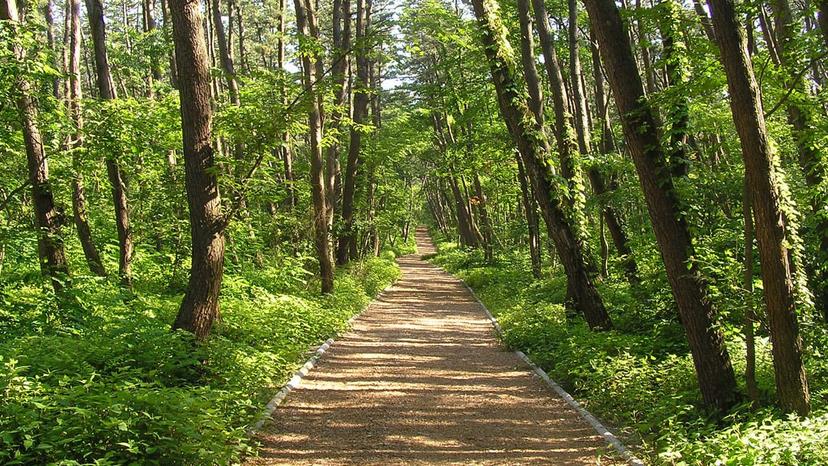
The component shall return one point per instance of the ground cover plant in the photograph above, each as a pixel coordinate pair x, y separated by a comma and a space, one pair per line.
638, 378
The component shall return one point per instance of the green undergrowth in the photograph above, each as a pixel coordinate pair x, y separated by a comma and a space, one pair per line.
105, 381
640, 377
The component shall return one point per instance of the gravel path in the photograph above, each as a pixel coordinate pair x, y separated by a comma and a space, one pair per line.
422, 379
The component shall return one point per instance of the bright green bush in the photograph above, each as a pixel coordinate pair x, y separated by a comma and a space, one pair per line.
118, 387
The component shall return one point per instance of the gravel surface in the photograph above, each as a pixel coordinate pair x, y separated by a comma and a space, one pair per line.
422, 379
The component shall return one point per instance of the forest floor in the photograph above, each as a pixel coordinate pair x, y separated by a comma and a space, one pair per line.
422, 379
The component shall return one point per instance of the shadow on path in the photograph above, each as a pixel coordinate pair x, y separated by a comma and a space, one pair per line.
422, 379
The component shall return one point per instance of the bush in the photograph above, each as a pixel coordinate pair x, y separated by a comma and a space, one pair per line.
117, 386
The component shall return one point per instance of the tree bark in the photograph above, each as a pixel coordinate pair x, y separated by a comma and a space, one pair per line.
772, 230
488, 231
312, 71
717, 381
533, 147
347, 236
581, 125
341, 43
80, 213
51, 253
747, 283
200, 306
564, 126
823, 19
224, 54
106, 90
678, 113
801, 119
531, 213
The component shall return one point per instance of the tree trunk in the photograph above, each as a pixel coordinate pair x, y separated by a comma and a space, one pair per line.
488, 231
678, 114
287, 155
750, 312
530, 210
167, 34
80, 214
200, 306
106, 89
823, 19
341, 44
578, 97
47, 219
717, 381
564, 128
772, 231
533, 147
464, 221
312, 70
48, 15
224, 54
347, 235
801, 119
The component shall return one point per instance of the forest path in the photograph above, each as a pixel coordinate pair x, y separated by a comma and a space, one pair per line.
422, 379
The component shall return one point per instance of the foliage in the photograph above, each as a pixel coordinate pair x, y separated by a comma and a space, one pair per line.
119, 387
639, 378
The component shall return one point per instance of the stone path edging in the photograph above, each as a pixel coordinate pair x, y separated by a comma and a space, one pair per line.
608, 436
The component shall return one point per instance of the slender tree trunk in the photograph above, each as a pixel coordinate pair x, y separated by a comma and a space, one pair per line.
74, 97
678, 113
599, 184
312, 70
717, 381
106, 89
464, 222
772, 230
578, 96
48, 15
801, 119
488, 231
707, 25
224, 54
564, 127
534, 149
530, 210
168, 35
287, 155
200, 306
342, 44
823, 19
750, 312
361, 100
47, 219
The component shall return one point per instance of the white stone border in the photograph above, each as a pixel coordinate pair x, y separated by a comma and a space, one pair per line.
300, 374
608, 436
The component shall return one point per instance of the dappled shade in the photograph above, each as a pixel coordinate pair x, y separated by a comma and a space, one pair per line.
422, 379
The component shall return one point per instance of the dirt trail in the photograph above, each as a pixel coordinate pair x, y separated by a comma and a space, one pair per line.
422, 379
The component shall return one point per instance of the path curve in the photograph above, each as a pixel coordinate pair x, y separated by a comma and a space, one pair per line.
422, 379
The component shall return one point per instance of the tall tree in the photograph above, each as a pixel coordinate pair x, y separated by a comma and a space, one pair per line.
47, 219
311, 72
200, 306
717, 381
341, 44
361, 100
533, 147
773, 232
106, 89
800, 112
80, 213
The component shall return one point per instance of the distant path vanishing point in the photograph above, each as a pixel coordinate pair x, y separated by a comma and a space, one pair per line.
422, 379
